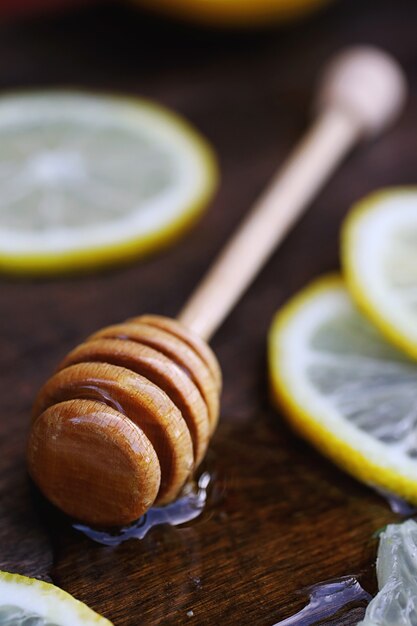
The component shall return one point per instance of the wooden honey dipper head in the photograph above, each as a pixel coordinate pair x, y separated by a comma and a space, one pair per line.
366, 83
129, 413
125, 420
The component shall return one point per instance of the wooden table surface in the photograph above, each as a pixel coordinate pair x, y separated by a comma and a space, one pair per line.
280, 517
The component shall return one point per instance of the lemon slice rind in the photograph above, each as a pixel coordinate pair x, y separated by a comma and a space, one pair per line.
312, 415
46, 601
369, 234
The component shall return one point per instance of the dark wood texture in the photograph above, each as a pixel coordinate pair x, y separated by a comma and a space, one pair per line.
280, 517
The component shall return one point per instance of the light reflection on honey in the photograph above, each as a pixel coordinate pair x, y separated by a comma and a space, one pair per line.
187, 507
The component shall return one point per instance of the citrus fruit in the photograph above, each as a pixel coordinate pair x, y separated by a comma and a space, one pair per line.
379, 256
344, 388
396, 567
238, 13
30, 602
87, 180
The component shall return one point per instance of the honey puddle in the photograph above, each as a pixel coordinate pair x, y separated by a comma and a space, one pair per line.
328, 600
335, 601
187, 507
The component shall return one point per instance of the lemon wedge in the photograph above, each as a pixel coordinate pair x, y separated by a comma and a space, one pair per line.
396, 567
27, 601
88, 180
344, 388
379, 257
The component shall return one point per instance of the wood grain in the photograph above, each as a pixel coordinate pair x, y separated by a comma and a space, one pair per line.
161, 371
79, 443
280, 517
150, 376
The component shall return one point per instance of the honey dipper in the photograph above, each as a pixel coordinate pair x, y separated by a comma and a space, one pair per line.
128, 415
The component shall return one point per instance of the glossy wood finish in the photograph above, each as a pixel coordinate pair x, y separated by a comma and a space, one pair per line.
75, 443
190, 338
177, 351
161, 371
143, 372
279, 516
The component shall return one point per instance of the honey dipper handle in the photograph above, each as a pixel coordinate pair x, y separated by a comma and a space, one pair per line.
271, 218
361, 92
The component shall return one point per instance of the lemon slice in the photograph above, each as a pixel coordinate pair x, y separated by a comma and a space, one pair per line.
87, 180
30, 602
379, 255
344, 388
396, 567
